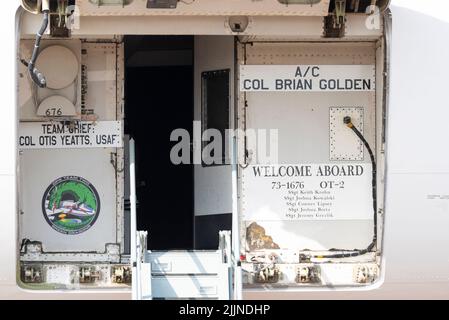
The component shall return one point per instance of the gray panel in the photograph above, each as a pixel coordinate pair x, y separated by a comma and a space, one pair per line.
100, 63
302, 121
212, 184
39, 169
304, 132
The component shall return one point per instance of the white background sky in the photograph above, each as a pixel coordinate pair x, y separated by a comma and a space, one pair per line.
436, 8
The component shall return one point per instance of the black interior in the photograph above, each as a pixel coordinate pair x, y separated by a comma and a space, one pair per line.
159, 99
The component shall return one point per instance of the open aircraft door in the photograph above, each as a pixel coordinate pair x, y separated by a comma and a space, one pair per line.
207, 271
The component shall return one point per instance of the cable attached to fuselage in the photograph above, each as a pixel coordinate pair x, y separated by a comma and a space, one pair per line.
356, 253
37, 77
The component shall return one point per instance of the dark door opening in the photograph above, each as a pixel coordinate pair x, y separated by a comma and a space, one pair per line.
159, 99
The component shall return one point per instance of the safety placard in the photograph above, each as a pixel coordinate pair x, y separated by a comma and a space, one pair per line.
307, 192
307, 78
68, 134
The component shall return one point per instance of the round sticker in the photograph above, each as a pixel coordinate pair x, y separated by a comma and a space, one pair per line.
71, 205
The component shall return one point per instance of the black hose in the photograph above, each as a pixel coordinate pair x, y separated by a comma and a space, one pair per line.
37, 77
348, 122
355, 253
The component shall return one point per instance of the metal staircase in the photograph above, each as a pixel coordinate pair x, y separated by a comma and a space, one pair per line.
183, 274
179, 274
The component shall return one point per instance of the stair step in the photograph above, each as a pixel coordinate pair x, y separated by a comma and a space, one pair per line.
185, 262
190, 287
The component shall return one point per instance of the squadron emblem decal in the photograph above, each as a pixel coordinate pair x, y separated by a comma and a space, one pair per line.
71, 205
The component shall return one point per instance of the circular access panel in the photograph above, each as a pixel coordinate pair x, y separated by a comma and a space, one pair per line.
59, 65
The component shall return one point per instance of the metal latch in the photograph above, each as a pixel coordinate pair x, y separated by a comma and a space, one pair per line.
340, 13
334, 24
